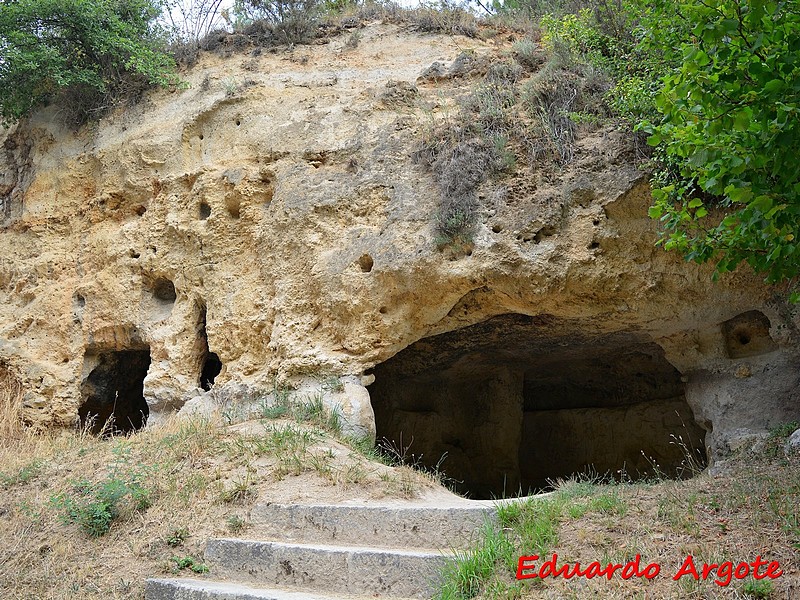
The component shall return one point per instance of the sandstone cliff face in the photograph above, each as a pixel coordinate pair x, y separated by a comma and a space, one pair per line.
267, 222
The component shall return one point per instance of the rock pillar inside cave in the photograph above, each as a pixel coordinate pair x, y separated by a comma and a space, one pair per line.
511, 404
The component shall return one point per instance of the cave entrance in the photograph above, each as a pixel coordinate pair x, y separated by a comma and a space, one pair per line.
113, 392
212, 366
511, 404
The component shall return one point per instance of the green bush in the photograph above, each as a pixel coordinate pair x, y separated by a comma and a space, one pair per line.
729, 135
95, 505
86, 54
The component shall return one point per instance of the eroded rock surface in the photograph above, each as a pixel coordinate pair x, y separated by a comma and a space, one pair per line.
267, 224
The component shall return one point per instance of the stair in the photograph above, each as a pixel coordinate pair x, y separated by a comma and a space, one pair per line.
330, 552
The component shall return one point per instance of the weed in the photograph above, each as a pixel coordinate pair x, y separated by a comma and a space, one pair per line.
188, 562
94, 506
240, 491
230, 86
353, 41
528, 53
366, 448
321, 463
773, 445
177, 537
235, 524
757, 589
21, 476
351, 474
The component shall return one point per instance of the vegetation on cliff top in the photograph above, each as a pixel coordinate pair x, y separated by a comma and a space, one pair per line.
715, 86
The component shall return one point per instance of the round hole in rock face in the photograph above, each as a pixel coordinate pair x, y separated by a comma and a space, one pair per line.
366, 263
748, 334
204, 211
164, 290
512, 403
113, 392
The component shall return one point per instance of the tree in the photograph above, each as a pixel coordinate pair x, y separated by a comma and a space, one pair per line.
729, 138
89, 50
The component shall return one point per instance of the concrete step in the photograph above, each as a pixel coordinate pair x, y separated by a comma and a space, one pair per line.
401, 526
349, 570
196, 589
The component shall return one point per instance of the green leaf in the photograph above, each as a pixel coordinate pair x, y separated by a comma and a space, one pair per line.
741, 121
775, 85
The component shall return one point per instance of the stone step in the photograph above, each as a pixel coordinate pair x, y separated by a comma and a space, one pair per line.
401, 526
196, 589
348, 570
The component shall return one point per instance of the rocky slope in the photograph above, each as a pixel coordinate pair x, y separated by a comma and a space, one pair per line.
267, 224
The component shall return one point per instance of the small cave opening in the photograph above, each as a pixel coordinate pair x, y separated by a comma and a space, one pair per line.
113, 392
512, 404
212, 366
210, 363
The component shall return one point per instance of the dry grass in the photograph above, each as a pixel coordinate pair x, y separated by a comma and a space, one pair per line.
197, 478
10, 408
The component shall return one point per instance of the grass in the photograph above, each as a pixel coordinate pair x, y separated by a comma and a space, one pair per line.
86, 517
754, 509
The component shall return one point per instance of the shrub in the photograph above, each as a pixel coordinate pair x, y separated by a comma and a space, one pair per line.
291, 21
94, 506
447, 18
85, 53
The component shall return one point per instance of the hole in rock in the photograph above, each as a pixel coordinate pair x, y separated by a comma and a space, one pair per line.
233, 206
210, 364
204, 211
113, 392
366, 263
164, 290
747, 334
507, 406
